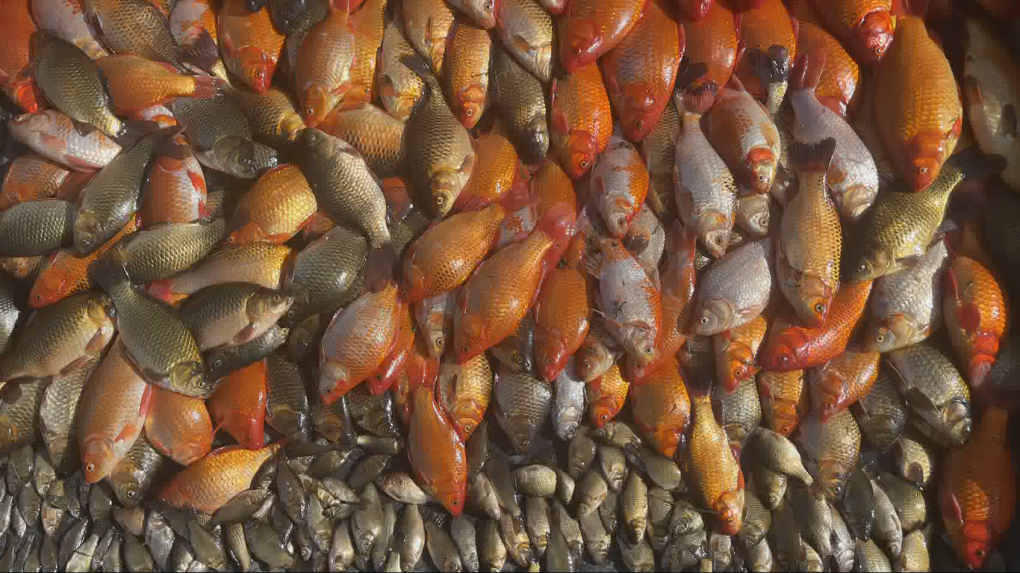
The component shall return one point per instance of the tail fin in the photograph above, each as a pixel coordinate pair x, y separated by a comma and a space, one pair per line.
686, 95
419, 66
202, 54
973, 163
558, 222
813, 157
772, 66
381, 267
110, 271
807, 70
206, 87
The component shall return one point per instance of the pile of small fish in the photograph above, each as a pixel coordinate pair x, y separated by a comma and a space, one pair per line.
659, 284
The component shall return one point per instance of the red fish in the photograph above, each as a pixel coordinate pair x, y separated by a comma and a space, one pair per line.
436, 452
239, 405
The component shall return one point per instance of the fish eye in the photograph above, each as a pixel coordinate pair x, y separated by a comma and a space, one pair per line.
649, 350
85, 242
761, 178
880, 338
131, 494
469, 112
604, 417
309, 110
90, 467
862, 268
784, 360
922, 170
518, 359
468, 428
980, 553
439, 341
465, 349
638, 124
704, 320
819, 308
455, 503
488, 6
440, 200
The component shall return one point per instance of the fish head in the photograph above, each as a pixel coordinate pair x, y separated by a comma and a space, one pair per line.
889, 334
815, 299
871, 265
101, 312
470, 104
602, 411
579, 43
739, 366
618, 215
784, 418
579, 153
451, 493
592, 360
483, 12
87, 232
714, 316
333, 377
761, 164
956, 418
97, 459
9, 431
127, 480
268, 306
874, 35
291, 125
191, 376
464, 415
923, 160
236, 155
855, 201
730, 507
973, 543
471, 339
50, 286
714, 231
552, 355
832, 391
413, 285
315, 104
442, 188
257, 68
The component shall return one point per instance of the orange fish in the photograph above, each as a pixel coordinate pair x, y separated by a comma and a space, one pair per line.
550, 186
497, 168
718, 481
65, 273
978, 494
503, 288
641, 71
743, 133
791, 346
766, 32
31, 177
919, 128
436, 452
377, 135
136, 83
179, 426
784, 400
466, 74
838, 85
112, 411
865, 25
420, 370
712, 41
661, 407
250, 44
465, 391
580, 121
193, 26
325, 60
16, 74
175, 191
393, 364
346, 356
694, 9
842, 381
976, 316
369, 22
606, 396
239, 405
619, 184
735, 352
428, 27
209, 483
279, 205
588, 29
563, 312
20, 267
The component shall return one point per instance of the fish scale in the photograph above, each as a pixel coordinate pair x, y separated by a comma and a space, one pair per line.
377, 135
714, 467
526, 30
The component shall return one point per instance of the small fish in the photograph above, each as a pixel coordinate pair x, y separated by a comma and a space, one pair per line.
735, 352
914, 459
619, 183
219, 134
272, 115
465, 390
135, 83
711, 34
67, 21
628, 298
522, 405
179, 426
830, 451
249, 44
466, 76
441, 547
232, 313
536, 512
976, 316
751, 152
716, 472
579, 119
526, 30
843, 380
134, 27
934, 390
881, 413
606, 396
400, 87
443, 470
520, 98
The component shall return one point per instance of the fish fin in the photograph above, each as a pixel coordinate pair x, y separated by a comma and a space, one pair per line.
807, 70
916, 398
161, 290
203, 53
593, 263
969, 316
951, 506
135, 130
689, 72
110, 271
814, 157
1009, 120
558, 222
381, 268
973, 163
172, 149
206, 87
83, 129
915, 473
517, 198
421, 68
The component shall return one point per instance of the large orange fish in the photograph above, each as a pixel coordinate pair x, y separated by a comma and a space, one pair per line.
369, 21
976, 316
792, 346
842, 381
978, 494
661, 407
503, 288
640, 72
694, 9
250, 44
325, 60
838, 85
346, 356
176, 190
619, 184
563, 312
865, 25
919, 128
743, 132
784, 400
239, 405
551, 186
436, 452
31, 177
428, 26
466, 77
712, 41
465, 391
606, 396
393, 364
279, 205
136, 83
209, 483
179, 426
580, 120
420, 369
497, 168
112, 411
715, 469
17, 79
590, 28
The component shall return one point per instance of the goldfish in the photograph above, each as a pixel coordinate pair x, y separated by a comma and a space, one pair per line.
16, 74
935, 392
400, 88
393, 364
619, 183
694, 9
211, 482
606, 396
563, 312
842, 381
481, 12
325, 59
784, 399
770, 43
249, 43
735, 352
551, 186
976, 315
496, 172
866, 26
176, 189
377, 135
279, 205
526, 30
31, 177
715, 469
370, 23
136, 83
661, 407
434, 320
588, 29
839, 83
179, 426
428, 26
193, 26
747, 139
711, 42
239, 404
466, 79
54, 136
830, 451
579, 119
436, 452
464, 392
66, 19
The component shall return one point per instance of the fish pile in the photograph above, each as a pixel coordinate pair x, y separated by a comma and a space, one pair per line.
349, 284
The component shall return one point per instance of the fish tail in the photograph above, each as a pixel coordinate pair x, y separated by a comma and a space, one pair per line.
381, 268
110, 271
696, 99
206, 87
134, 131
973, 163
807, 70
203, 53
772, 66
813, 157
558, 222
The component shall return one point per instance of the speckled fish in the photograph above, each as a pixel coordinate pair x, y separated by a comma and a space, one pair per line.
715, 470
579, 119
640, 72
400, 88
272, 115
881, 413
914, 459
522, 404
661, 407
888, 531
907, 305
209, 483
325, 275
914, 556
735, 290
619, 184
249, 44
428, 26
436, 452
976, 316
464, 392
112, 411
496, 173
784, 400
712, 41
792, 346
67, 20
919, 130
526, 30
54, 135
134, 27
706, 193
466, 73
36, 228
193, 26
60, 338
179, 426
276, 208
991, 94
239, 405
843, 380
740, 411
19, 421
325, 58
735, 352
830, 451
58, 417
218, 133
751, 152
865, 25
589, 29
934, 390
520, 98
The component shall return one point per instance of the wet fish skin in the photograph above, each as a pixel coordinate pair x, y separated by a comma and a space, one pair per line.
536, 513
36, 227
53, 135
491, 550
935, 390
723, 301
520, 98
522, 405
441, 548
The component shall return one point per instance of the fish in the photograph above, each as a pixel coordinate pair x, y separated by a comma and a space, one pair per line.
35, 228
324, 63
257, 263
491, 550
867, 27
523, 403
920, 133
977, 498
232, 313
266, 545
135, 83
428, 26
914, 556
843, 380
735, 352
751, 153
32, 177
279, 205
907, 498
178, 426
325, 275
619, 184
888, 531
830, 450
66, 20
53, 135
135, 27
132, 478
176, 190
839, 84
239, 404
464, 391
975, 310
569, 401
15, 67
58, 417
466, 77
914, 459
219, 134
717, 479
588, 30
606, 396
563, 313
441, 548
249, 44
770, 45
658, 149
539, 530
613, 464
209, 483
481, 13
434, 319
400, 87
740, 412
935, 391
272, 115
520, 98
442, 470
526, 30
194, 28
146, 257
662, 408
881, 413
369, 21
724, 302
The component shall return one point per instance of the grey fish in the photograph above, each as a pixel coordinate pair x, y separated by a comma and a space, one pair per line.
223, 361
137, 556
814, 518
9, 313
536, 480
634, 505
660, 508
580, 454
809, 558
503, 484
81, 558
564, 486
159, 538
464, 535
871, 558
888, 531
517, 351
663, 471
913, 459
558, 556
409, 537
759, 557
266, 544
721, 548
373, 413
536, 513
134, 475
482, 497
881, 413
401, 487
521, 100
597, 540
515, 537
908, 500
523, 403
740, 411
241, 507
491, 551
915, 556
843, 544
366, 471
237, 545
723, 300
613, 464
637, 556
933, 389
54, 509
686, 551
287, 407
609, 512
441, 548
777, 453
859, 504
208, 546
756, 522
33, 228
477, 449
367, 521
591, 492
219, 134
324, 275
784, 535
381, 547
341, 551
131, 520
165, 250
568, 402
292, 493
